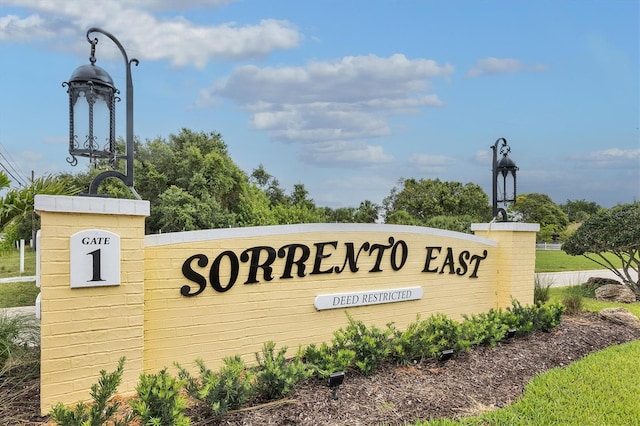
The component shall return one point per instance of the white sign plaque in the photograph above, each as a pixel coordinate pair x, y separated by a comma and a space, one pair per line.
362, 298
95, 258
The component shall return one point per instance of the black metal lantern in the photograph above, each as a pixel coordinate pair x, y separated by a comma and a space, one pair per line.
91, 91
92, 122
505, 170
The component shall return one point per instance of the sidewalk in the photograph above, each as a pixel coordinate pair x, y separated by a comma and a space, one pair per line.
23, 310
563, 279
17, 279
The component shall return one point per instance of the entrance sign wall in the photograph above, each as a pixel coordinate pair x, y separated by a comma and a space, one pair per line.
216, 293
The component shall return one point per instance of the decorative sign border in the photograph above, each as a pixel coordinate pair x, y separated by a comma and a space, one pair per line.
363, 298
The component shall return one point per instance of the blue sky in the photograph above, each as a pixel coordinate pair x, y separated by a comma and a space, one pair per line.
348, 96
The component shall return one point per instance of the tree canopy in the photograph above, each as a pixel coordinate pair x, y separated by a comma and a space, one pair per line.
192, 183
579, 210
539, 208
418, 202
615, 231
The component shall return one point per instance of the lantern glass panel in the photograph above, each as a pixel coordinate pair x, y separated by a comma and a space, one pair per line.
92, 120
507, 187
80, 121
101, 125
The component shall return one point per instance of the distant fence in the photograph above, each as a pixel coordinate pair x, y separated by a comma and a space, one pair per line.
548, 246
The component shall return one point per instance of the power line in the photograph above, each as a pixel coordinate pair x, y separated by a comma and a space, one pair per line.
20, 179
11, 174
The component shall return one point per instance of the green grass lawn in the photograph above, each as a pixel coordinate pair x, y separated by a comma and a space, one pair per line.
559, 261
556, 294
602, 388
10, 263
18, 294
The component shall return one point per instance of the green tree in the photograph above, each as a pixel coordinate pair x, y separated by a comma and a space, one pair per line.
368, 212
579, 210
461, 223
539, 208
400, 217
424, 199
269, 184
615, 231
300, 197
340, 215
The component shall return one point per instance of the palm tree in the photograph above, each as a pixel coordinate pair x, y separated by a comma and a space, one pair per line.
16, 206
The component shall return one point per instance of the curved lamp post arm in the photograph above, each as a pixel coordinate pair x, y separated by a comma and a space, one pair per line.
127, 178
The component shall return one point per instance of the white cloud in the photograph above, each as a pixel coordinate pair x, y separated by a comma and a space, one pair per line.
492, 66
348, 99
430, 164
173, 5
609, 158
339, 153
352, 80
14, 28
146, 37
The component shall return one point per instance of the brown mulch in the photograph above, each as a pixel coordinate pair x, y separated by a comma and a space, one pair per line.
482, 379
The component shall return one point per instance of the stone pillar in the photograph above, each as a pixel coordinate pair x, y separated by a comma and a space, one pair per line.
516, 259
88, 326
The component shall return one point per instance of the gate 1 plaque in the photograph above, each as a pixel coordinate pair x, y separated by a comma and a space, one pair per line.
94, 258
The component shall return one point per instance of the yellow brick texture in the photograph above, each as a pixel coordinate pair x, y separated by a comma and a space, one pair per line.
147, 320
85, 330
213, 325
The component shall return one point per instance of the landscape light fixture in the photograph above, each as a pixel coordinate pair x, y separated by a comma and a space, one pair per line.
504, 168
335, 380
92, 116
445, 355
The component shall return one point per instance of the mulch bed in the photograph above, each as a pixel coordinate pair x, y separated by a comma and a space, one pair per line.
482, 379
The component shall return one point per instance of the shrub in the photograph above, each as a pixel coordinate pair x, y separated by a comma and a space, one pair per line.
276, 376
527, 319
19, 365
427, 338
325, 359
573, 304
101, 410
573, 300
159, 401
541, 291
486, 328
17, 334
229, 389
370, 345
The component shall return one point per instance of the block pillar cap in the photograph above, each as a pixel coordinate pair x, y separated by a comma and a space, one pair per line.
506, 226
91, 205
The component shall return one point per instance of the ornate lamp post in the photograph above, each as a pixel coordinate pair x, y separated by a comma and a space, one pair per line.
92, 122
504, 168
